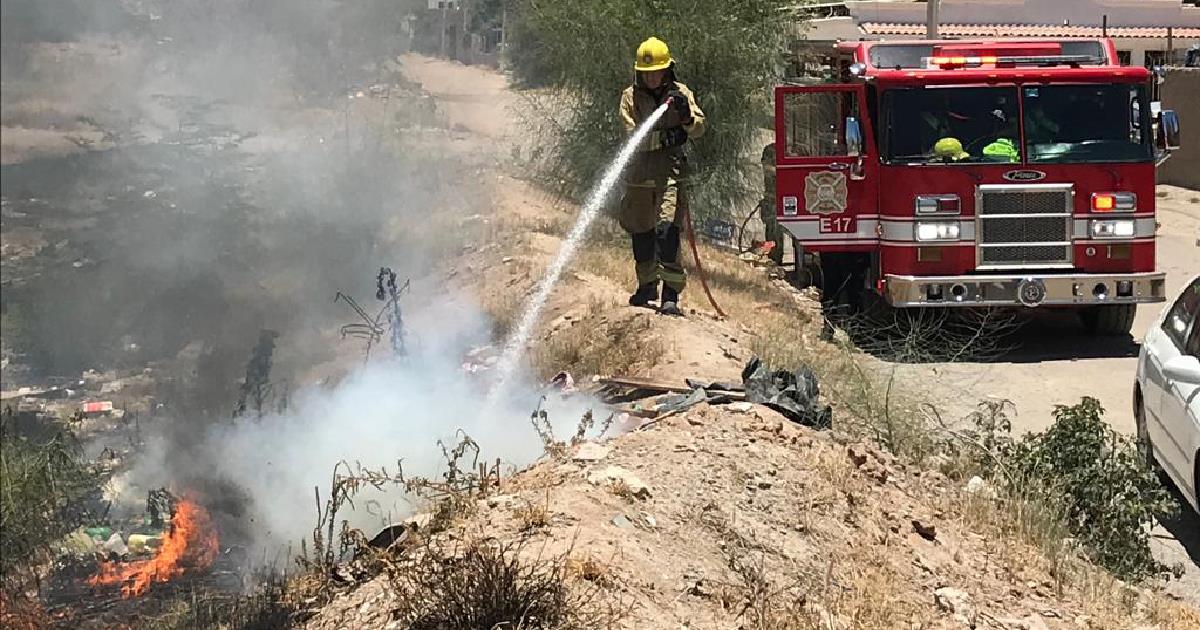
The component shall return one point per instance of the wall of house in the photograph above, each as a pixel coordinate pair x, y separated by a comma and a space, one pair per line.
1181, 92
1075, 12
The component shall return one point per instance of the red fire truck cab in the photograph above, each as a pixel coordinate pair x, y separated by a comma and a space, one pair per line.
976, 174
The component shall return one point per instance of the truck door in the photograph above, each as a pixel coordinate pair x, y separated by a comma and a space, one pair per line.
827, 167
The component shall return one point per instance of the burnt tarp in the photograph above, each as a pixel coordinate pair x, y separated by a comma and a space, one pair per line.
793, 394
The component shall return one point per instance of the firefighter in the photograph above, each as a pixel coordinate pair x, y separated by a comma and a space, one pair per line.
649, 211
766, 208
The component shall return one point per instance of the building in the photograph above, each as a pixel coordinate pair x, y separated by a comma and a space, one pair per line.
1146, 32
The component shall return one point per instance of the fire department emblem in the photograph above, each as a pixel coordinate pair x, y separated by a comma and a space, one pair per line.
825, 193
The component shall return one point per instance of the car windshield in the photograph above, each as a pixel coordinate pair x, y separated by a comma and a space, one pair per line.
952, 124
1086, 123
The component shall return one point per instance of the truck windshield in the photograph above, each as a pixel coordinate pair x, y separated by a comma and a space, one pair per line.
952, 124
1079, 123
1086, 123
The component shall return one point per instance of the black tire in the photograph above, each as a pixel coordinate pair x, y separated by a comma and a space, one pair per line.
1109, 319
1196, 480
1144, 445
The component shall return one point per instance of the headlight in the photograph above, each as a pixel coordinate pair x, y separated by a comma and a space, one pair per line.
929, 231
1119, 228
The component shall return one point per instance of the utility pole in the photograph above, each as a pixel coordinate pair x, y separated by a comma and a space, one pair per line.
442, 44
931, 19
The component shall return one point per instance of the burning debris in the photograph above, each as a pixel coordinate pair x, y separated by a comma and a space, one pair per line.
190, 544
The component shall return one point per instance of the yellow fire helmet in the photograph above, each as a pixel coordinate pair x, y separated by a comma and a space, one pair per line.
950, 148
652, 55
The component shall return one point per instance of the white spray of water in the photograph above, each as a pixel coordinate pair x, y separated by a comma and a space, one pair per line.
516, 344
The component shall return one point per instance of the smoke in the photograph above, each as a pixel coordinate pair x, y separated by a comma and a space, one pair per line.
386, 411
247, 173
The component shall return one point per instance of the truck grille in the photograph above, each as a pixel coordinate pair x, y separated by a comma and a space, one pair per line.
1025, 226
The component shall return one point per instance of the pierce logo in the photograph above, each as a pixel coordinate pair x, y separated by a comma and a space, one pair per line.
1024, 176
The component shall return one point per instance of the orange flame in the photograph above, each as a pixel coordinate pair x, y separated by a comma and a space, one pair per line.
191, 543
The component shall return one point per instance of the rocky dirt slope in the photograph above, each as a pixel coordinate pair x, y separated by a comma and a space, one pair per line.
724, 518
729, 516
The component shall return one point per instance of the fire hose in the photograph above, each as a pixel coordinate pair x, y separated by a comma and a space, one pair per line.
682, 201
691, 235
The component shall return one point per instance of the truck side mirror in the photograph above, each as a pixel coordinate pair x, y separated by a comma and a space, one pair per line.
854, 139
1168, 130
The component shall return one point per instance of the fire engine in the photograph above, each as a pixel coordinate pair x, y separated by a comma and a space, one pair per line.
1008, 173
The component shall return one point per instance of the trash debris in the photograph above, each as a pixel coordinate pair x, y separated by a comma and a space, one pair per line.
115, 545
98, 533
143, 543
97, 408
563, 382
389, 536
793, 394
681, 402
78, 543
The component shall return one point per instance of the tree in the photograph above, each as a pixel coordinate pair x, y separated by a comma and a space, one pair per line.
730, 55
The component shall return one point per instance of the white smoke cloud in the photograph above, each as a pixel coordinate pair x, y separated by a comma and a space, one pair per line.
381, 412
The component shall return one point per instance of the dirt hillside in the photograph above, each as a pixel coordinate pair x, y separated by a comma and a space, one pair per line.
725, 516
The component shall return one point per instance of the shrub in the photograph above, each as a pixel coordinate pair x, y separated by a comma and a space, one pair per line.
1097, 479
493, 585
44, 482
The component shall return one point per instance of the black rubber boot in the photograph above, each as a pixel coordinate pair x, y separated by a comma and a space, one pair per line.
645, 294
670, 302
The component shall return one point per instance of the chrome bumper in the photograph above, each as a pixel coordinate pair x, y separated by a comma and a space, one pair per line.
1025, 290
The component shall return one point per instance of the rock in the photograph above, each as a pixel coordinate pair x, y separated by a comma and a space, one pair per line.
1034, 622
614, 474
501, 500
926, 531
955, 602
740, 407
977, 486
621, 521
590, 452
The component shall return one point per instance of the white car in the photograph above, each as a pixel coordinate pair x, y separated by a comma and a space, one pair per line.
1166, 397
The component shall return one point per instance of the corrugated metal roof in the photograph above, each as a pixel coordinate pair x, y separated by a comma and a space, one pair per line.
1026, 30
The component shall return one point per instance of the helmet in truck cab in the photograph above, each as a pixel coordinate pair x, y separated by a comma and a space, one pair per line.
652, 55
949, 148
1002, 150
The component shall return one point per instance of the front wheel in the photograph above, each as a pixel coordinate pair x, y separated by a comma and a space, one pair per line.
1144, 446
1108, 319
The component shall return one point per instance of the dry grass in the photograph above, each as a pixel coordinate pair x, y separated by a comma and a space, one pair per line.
493, 584
532, 516
591, 569
596, 344
505, 308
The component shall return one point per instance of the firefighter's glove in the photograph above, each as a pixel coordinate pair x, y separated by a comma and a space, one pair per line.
681, 105
673, 137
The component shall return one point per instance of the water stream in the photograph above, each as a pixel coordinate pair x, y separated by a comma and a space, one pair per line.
514, 349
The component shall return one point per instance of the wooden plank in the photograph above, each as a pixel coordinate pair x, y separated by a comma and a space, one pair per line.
641, 383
